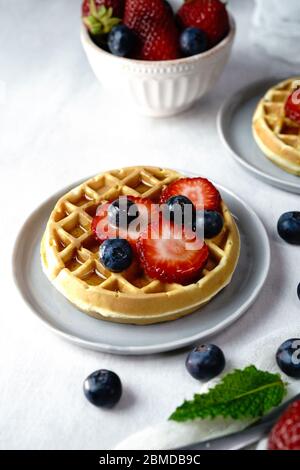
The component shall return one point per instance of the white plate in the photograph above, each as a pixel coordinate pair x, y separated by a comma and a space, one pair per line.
234, 126
63, 318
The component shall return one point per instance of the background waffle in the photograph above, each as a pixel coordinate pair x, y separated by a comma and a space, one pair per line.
69, 255
276, 135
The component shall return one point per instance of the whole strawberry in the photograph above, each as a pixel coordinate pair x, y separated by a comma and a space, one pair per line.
208, 15
286, 433
100, 16
154, 25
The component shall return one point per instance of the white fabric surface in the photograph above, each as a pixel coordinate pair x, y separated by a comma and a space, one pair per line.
173, 435
58, 125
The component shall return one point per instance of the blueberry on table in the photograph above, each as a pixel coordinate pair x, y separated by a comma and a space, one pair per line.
121, 212
288, 357
121, 41
213, 223
103, 388
193, 41
205, 362
116, 254
180, 208
289, 227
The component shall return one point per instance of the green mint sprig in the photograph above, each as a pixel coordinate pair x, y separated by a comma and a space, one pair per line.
247, 393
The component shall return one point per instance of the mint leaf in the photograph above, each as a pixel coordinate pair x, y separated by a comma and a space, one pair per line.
247, 393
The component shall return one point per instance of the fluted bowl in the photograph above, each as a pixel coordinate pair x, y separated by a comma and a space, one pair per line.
159, 88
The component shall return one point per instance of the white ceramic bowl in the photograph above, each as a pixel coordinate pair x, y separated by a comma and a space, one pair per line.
160, 88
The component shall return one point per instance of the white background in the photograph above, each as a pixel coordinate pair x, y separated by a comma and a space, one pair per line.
56, 126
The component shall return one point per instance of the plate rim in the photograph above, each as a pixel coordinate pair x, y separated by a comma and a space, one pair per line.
139, 350
221, 117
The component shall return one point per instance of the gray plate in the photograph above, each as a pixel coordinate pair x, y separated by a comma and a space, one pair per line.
63, 318
234, 125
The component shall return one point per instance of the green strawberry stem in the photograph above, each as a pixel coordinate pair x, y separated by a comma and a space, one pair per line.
100, 21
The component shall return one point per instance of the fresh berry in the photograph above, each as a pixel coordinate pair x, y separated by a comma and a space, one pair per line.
292, 106
285, 435
100, 16
121, 41
213, 223
289, 227
103, 388
116, 254
288, 357
181, 210
155, 28
121, 212
87, 8
205, 362
171, 254
199, 190
103, 229
209, 15
193, 41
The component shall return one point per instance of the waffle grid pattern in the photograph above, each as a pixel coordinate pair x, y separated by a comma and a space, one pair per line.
273, 107
76, 249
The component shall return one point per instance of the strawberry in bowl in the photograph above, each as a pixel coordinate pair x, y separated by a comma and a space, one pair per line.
161, 60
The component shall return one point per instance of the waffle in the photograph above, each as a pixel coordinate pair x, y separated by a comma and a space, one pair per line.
69, 255
277, 136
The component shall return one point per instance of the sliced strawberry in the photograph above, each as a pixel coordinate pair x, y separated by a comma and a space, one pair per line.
285, 435
168, 254
292, 106
103, 230
200, 191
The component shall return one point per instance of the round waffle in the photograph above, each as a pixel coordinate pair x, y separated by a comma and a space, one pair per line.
277, 136
69, 254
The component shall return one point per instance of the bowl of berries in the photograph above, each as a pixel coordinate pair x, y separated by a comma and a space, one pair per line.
156, 59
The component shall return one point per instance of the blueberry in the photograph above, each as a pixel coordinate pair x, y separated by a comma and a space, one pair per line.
288, 357
103, 388
213, 223
205, 362
116, 254
121, 212
298, 291
121, 40
181, 209
193, 41
289, 227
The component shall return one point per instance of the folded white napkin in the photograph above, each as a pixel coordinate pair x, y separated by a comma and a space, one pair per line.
171, 435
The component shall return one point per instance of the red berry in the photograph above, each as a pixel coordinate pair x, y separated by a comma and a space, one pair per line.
285, 435
155, 28
170, 255
200, 191
292, 106
209, 15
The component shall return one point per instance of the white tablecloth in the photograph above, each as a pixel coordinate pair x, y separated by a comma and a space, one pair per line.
58, 125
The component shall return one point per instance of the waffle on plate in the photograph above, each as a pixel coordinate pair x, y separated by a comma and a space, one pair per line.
276, 134
70, 254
